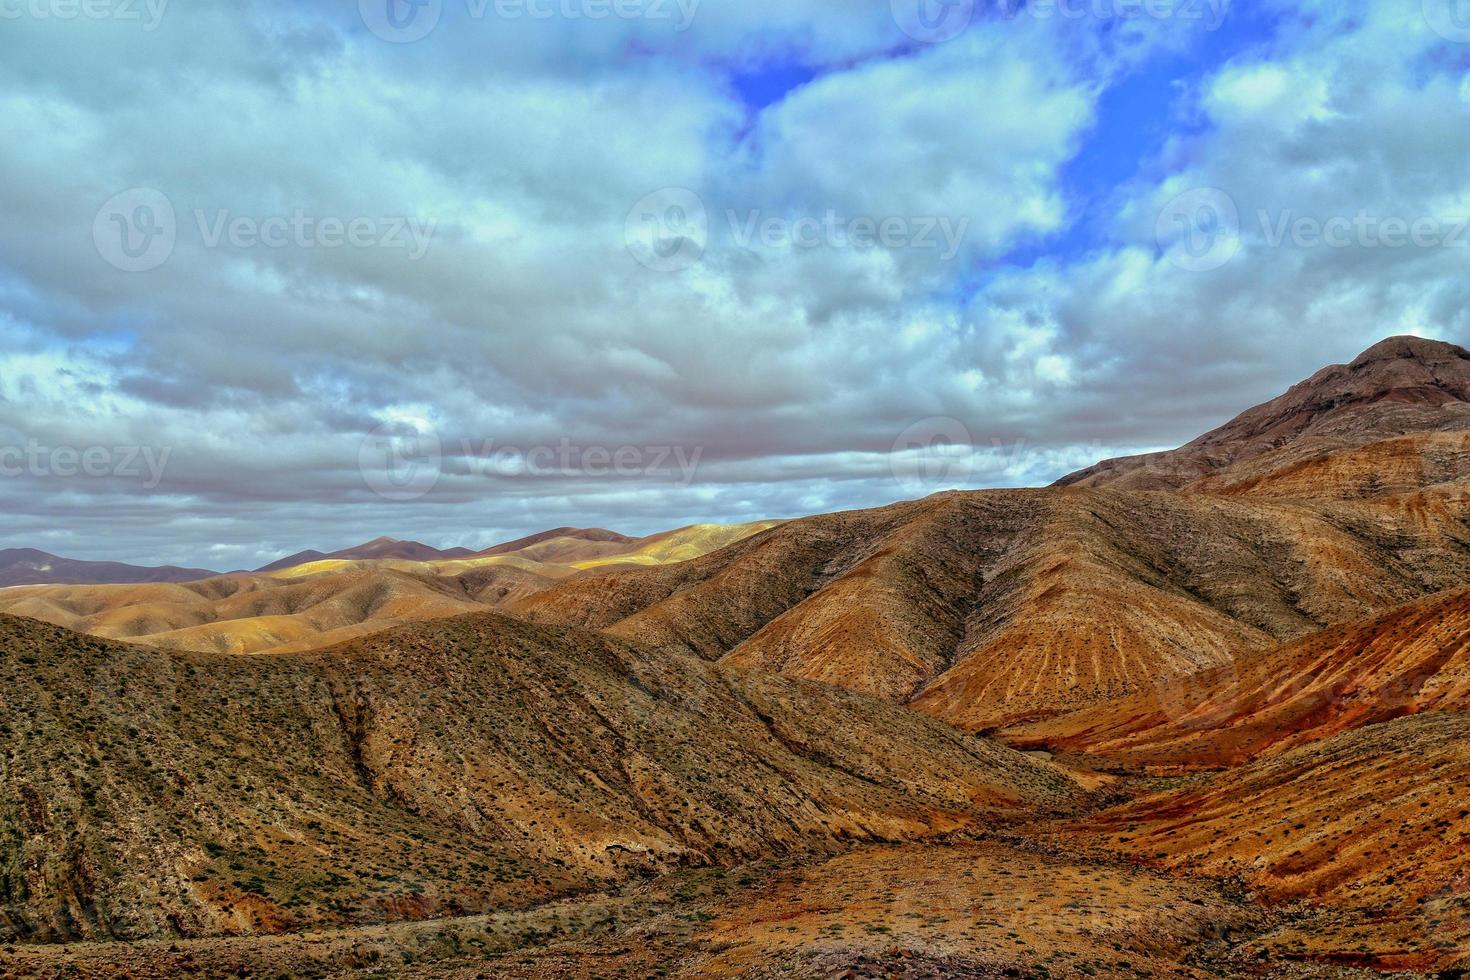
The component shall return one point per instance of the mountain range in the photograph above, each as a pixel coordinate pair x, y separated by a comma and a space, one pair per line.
1200, 713
314, 601
27, 566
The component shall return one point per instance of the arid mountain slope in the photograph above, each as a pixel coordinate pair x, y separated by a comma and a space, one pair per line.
990, 608
1401, 465
1402, 386
1374, 820
27, 566
441, 768
1413, 659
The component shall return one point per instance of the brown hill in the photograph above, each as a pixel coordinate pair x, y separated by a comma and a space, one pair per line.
1401, 386
27, 566
1413, 659
1374, 820
443, 768
990, 608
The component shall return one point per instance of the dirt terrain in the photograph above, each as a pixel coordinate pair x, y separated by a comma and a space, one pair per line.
1375, 820
958, 908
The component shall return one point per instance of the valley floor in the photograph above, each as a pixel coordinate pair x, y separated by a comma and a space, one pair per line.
1009, 905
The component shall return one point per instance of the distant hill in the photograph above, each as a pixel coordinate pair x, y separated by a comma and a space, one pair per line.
27, 566
376, 549
596, 535
329, 599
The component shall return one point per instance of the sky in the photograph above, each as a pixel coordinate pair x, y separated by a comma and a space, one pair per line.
293, 275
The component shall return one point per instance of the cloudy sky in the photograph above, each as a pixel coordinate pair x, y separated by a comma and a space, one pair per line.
288, 275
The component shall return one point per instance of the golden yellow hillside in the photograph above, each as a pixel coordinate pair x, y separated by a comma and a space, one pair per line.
330, 600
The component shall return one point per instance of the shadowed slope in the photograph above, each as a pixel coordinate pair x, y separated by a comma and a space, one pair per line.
436, 769
27, 566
